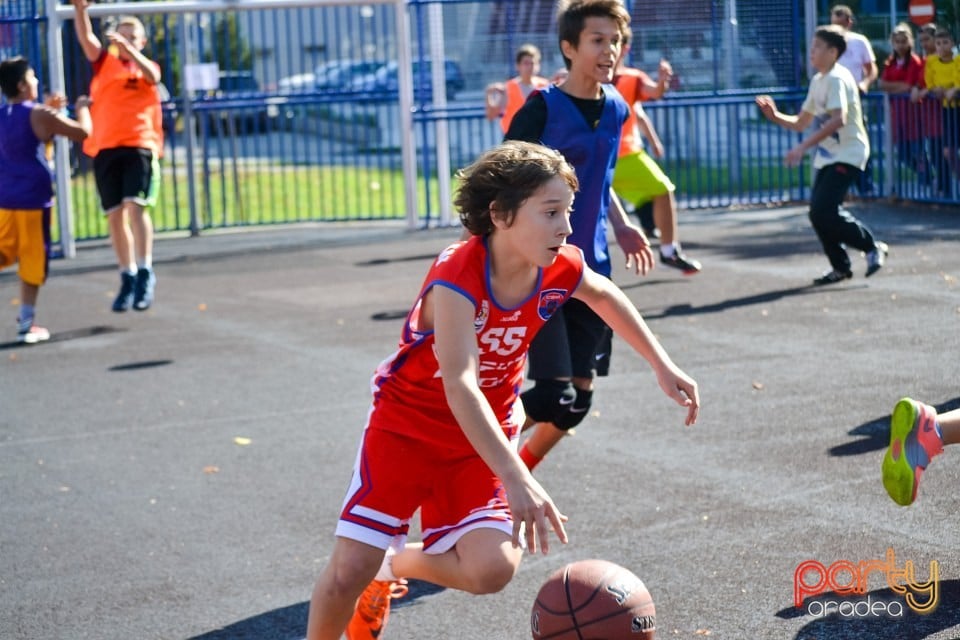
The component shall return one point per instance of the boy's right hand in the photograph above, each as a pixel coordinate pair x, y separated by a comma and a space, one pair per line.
534, 513
767, 106
56, 101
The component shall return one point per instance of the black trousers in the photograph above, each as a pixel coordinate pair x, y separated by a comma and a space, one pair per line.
836, 227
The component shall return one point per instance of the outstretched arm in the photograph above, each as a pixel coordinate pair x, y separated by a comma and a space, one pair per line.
769, 110
495, 100
47, 121
648, 131
630, 237
459, 360
613, 306
655, 90
91, 45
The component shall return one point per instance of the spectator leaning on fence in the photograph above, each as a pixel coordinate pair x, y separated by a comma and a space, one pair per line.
926, 39
902, 73
941, 76
931, 116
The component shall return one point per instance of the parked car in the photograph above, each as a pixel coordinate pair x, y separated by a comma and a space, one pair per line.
385, 80
247, 112
331, 76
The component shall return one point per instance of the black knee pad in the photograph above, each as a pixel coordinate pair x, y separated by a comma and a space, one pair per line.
547, 400
576, 412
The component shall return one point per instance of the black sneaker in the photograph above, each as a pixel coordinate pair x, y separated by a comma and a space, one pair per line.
679, 261
124, 299
832, 277
876, 258
143, 289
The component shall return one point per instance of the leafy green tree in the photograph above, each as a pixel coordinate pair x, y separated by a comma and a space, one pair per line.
228, 49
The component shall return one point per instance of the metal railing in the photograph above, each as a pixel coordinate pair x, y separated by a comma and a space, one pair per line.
282, 152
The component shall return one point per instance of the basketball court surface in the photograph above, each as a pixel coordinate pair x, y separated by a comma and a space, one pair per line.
176, 474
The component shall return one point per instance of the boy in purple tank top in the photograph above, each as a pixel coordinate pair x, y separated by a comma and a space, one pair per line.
26, 181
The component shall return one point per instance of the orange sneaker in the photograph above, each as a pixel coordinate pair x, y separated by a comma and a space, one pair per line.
373, 608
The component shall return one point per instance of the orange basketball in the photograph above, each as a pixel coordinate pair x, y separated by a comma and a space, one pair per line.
593, 600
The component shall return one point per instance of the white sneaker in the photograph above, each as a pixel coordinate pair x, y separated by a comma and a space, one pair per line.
31, 333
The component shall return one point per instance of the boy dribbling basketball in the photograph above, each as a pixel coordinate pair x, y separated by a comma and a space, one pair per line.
441, 435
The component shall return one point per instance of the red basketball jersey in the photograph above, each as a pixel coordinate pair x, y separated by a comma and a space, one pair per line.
408, 390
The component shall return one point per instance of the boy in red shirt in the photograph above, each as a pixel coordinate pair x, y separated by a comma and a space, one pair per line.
441, 435
902, 72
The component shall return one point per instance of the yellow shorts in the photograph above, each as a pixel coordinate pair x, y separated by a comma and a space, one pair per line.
25, 239
638, 179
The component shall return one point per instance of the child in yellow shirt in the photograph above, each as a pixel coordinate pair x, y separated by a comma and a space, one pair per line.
941, 78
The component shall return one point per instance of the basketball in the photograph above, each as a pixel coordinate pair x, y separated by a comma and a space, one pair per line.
593, 600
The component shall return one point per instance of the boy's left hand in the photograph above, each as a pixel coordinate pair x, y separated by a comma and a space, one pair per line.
683, 389
120, 41
56, 101
794, 157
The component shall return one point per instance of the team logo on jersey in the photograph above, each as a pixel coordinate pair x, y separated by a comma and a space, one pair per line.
550, 301
446, 253
513, 317
482, 316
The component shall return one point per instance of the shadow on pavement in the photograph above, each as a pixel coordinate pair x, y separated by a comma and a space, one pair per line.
290, 623
63, 336
881, 625
143, 364
686, 309
376, 262
286, 623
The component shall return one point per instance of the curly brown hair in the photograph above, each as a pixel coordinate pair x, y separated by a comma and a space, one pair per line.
503, 178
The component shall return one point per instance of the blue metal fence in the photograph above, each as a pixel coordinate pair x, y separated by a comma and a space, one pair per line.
306, 125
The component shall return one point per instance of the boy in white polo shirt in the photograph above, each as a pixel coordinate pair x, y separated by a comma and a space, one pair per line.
842, 148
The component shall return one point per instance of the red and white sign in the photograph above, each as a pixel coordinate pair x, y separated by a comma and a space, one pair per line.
921, 12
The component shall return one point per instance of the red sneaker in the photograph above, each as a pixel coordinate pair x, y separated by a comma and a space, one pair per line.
373, 608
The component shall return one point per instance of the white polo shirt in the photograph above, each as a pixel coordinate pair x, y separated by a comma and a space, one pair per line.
836, 89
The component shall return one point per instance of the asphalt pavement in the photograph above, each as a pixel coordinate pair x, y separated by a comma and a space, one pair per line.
177, 473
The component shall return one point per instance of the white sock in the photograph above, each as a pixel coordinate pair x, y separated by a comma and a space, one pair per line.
146, 262
669, 249
130, 269
385, 574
